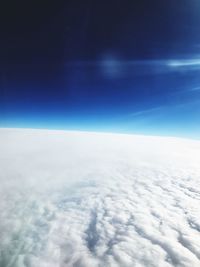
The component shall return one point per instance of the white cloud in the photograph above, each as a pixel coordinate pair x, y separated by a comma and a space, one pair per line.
89, 199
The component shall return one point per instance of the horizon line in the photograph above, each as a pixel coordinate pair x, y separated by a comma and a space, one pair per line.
101, 132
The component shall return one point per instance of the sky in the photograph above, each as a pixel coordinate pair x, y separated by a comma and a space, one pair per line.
117, 66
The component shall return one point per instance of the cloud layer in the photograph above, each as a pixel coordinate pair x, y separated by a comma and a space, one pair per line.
90, 199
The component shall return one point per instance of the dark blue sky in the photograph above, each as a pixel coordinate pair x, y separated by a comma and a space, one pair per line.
120, 66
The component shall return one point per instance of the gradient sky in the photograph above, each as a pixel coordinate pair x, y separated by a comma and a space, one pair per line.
115, 65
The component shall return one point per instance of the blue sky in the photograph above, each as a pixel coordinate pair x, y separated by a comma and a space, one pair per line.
118, 67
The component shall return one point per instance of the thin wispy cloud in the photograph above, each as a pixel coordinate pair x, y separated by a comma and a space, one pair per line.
186, 91
114, 67
194, 89
184, 63
145, 111
151, 62
165, 108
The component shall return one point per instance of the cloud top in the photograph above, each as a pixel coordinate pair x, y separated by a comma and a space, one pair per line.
88, 199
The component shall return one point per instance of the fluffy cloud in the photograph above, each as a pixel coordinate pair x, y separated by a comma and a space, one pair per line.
98, 200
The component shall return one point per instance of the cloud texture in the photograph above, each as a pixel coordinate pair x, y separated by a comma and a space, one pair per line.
98, 200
